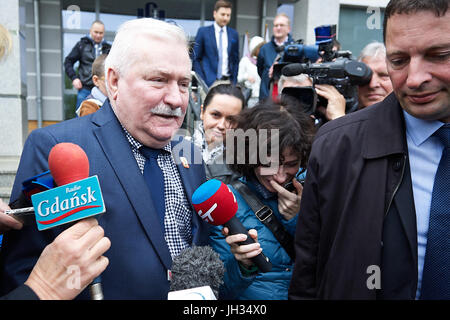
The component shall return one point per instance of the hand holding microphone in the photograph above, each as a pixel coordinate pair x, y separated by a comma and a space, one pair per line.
70, 262
69, 166
243, 252
216, 204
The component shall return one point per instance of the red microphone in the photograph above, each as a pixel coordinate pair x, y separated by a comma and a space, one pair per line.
68, 163
216, 204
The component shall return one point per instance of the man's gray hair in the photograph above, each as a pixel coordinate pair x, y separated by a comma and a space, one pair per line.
123, 50
373, 49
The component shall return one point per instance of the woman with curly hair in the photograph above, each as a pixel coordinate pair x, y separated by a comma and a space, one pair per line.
267, 146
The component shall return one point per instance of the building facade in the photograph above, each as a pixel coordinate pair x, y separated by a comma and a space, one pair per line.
36, 91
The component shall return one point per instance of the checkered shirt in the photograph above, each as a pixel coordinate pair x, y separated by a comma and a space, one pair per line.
178, 215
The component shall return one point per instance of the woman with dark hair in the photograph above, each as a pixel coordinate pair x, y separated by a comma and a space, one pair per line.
267, 146
221, 102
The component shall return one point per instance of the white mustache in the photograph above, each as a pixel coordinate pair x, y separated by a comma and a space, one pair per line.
164, 110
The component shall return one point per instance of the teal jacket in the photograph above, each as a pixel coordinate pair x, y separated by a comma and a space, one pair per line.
271, 285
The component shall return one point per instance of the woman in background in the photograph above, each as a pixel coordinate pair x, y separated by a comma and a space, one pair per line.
266, 179
248, 72
221, 102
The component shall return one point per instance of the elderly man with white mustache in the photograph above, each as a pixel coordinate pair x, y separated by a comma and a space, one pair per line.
147, 179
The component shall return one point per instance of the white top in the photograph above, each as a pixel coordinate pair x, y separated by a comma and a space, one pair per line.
246, 71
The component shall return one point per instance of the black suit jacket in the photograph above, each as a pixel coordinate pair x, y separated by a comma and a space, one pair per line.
139, 257
21, 293
399, 242
357, 210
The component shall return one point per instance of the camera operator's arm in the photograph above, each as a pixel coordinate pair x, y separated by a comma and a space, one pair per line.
336, 101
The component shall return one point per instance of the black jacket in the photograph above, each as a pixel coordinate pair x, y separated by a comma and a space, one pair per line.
84, 52
357, 210
21, 293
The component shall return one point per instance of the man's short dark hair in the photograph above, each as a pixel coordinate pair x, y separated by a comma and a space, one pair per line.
222, 4
439, 7
98, 22
98, 66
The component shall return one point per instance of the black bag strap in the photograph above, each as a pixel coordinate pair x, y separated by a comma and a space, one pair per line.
266, 216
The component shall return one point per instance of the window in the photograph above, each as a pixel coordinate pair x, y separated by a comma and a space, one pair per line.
357, 28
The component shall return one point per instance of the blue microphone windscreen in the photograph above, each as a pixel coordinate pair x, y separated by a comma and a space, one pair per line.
206, 191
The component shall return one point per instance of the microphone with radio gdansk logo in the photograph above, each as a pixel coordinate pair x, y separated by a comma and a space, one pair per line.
77, 196
216, 204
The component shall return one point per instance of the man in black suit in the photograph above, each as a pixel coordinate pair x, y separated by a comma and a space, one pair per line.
369, 204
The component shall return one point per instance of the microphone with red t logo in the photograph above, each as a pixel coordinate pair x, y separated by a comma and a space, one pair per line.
216, 204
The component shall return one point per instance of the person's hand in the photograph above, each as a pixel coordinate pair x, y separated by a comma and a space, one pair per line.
271, 69
336, 101
70, 262
251, 79
7, 222
243, 253
77, 84
288, 202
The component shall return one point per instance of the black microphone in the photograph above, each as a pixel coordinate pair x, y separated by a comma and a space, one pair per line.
22, 207
195, 267
216, 204
294, 69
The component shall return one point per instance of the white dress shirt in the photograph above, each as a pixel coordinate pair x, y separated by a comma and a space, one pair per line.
217, 28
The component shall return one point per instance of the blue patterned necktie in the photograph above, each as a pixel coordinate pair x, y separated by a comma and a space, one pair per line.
220, 49
436, 270
154, 178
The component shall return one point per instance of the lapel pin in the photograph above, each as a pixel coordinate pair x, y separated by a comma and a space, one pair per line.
184, 162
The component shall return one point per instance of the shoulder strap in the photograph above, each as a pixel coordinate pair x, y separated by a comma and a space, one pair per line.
266, 216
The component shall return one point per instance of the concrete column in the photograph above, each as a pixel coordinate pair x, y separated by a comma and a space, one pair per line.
13, 87
13, 92
249, 17
309, 14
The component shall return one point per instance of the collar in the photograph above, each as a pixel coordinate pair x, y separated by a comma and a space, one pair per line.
420, 130
92, 40
105, 115
217, 27
280, 43
286, 40
97, 94
135, 145
385, 134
